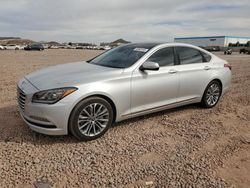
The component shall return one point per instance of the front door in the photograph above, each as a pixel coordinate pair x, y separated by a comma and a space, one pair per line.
151, 90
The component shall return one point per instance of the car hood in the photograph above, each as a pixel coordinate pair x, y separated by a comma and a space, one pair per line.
70, 74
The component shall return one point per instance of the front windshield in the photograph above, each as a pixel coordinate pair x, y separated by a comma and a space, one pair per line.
123, 56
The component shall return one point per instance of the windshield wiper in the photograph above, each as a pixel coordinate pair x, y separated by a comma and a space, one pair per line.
112, 66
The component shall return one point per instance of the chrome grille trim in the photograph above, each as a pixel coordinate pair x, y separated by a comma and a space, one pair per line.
21, 97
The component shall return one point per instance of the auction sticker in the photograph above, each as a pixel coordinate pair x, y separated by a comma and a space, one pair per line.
141, 50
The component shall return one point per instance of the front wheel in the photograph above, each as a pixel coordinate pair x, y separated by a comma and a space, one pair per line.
212, 94
91, 118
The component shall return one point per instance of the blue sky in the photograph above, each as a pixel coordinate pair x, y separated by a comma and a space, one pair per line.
141, 20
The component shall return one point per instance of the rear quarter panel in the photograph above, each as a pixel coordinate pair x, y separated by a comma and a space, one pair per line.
222, 73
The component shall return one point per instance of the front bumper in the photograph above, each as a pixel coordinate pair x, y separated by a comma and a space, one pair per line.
41, 127
50, 119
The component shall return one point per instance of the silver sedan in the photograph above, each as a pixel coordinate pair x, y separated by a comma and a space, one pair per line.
86, 98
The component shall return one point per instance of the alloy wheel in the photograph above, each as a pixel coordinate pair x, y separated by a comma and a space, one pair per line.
213, 94
93, 119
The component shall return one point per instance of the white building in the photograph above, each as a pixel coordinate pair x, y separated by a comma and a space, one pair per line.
222, 41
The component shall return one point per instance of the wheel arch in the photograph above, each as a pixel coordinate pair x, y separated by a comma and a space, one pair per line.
203, 102
218, 80
108, 99
214, 79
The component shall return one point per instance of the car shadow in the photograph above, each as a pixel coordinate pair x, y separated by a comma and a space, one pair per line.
13, 129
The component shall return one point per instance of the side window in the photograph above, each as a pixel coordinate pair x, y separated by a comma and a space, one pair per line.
164, 57
189, 55
206, 57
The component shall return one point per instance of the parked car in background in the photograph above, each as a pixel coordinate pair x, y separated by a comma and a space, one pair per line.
86, 98
12, 47
53, 47
22, 47
107, 47
35, 47
79, 47
228, 52
245, 50
212, 48
70, 47
104, 48
2, 47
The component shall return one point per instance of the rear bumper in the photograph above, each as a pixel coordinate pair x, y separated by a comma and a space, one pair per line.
226, 81
225, 90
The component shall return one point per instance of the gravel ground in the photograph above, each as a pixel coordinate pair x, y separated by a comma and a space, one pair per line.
183, 147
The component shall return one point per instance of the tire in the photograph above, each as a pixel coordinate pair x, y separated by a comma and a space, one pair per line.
211, 94
85, 124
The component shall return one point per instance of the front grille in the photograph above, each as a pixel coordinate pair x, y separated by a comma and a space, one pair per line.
21, 97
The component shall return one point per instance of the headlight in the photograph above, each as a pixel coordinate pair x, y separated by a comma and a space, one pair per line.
52, 96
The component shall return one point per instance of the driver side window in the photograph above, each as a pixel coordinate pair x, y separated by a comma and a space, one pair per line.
164, 57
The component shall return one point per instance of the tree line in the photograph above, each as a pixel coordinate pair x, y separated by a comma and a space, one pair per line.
238, 44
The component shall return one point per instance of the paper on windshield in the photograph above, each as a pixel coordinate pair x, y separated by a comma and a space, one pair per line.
141, 50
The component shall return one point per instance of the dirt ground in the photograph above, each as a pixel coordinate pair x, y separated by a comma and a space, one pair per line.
183, 147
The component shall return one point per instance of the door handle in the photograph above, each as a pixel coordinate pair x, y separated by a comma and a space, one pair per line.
207, 68
172, 71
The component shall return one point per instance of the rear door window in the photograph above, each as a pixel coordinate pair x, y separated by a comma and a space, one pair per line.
206, 57
188, 55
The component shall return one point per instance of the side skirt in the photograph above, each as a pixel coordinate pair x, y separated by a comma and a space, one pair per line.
160, 108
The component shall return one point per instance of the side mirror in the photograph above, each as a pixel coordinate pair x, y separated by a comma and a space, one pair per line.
149, 65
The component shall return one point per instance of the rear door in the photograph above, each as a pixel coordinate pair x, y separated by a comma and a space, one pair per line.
194, 72
153, 89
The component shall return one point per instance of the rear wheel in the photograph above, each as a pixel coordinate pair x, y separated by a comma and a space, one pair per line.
91, 118
212, 94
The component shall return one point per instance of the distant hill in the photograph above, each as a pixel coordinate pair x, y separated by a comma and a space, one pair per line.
121, 41
8, 38
118, 42
17, 41
53, 43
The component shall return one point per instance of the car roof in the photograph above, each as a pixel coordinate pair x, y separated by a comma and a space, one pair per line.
158, 45
147, 45
154, 44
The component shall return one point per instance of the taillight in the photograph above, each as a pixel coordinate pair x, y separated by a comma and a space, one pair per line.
228, 66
